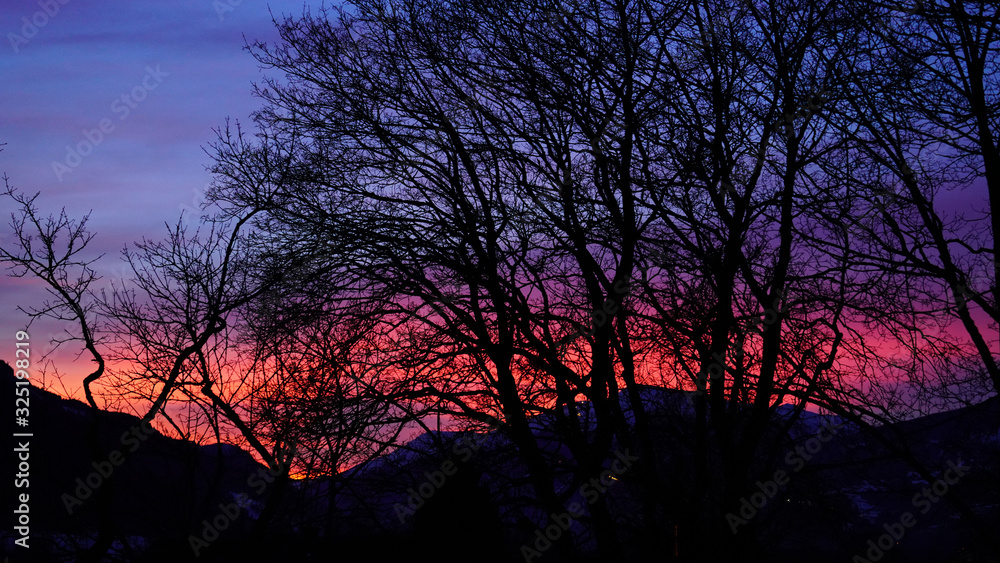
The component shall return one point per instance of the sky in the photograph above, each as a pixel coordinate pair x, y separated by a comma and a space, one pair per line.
108, 107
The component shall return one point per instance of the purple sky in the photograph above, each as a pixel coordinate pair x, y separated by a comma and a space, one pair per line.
182, 69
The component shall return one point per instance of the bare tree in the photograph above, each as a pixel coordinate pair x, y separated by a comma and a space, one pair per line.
529, 212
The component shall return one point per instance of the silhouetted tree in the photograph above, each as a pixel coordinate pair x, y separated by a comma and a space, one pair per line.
529, 211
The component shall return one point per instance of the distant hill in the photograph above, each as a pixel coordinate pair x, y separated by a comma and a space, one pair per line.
163, 486
833, 504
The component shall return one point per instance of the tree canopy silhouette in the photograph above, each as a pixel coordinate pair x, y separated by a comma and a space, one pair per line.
528, 214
